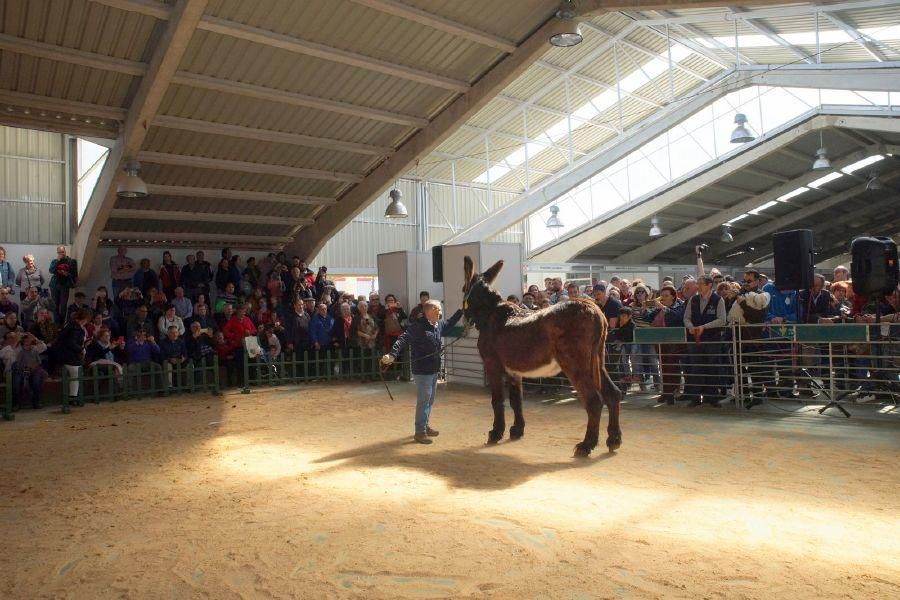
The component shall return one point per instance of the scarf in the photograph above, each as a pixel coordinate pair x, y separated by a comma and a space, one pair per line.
347, 322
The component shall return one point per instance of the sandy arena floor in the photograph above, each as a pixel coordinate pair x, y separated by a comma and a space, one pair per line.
317, 492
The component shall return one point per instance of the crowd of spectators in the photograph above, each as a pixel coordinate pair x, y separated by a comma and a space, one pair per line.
707, 305
170, 314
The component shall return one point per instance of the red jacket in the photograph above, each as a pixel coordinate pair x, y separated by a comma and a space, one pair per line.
236, 329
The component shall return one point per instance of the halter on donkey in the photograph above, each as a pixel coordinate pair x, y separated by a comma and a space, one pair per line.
514, 343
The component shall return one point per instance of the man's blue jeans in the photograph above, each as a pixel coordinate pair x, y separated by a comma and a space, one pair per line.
426, 386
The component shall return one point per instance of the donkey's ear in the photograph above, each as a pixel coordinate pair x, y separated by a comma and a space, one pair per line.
491, 274
468, 270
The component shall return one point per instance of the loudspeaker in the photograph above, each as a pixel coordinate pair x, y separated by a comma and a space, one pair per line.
874, 267
794, 259
437, 264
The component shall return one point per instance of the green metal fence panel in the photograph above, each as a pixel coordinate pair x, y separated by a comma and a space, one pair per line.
659, 335
844, 333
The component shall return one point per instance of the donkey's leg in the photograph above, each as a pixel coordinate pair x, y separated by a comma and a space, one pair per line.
494, 374
515, 402
593, 404
613, 397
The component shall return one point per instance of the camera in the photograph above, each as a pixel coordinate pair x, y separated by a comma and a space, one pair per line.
701, 248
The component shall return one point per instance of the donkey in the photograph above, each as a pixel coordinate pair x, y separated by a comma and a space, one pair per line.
515, 343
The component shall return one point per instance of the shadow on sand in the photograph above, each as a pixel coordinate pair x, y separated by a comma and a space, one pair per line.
477, 468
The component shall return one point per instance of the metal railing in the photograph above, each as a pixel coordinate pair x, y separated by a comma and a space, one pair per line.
139, 380
322, 365
830, 364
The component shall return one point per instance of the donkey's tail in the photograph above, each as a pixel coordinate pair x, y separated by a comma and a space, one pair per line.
608, 389
597, 356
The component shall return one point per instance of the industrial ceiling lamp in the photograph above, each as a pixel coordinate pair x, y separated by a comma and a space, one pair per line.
726, 238
571, 33
655, 231
741, 133
396, 209
132, 186
822, 163
874, 184
553, 222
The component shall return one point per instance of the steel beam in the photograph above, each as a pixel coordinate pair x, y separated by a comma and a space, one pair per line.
204, 217
642, 210
692, 232
200, 162
425, 141
410, 13
225, 238
169, 51
216, 193
886, 77
860, 39
258, 92
323, 52
724, 15
20, 45
525, 204
267, 135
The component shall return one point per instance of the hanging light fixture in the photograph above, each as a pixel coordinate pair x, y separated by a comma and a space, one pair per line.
132, 186
655, 230
571, 32
396, 209
553, 222
874, 184
741, 133
726, 238
822, 163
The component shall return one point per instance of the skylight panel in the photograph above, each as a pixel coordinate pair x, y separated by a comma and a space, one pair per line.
737, 218
862, 164
793, 194
756, 211
823, 180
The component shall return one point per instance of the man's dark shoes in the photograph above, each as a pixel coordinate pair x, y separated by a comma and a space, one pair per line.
422, 438
667, 399
432, 432
695, 401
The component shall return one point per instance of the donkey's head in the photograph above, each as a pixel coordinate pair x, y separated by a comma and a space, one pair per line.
479, 298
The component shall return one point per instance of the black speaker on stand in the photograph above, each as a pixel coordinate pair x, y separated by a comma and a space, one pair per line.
875, 272
794, 259
437, 264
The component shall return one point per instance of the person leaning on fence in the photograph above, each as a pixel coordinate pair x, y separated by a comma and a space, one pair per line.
235, 330
668, 311
749, 312
424, 340
704, 316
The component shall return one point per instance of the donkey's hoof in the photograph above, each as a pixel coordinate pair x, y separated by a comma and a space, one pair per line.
614, 443
582, 450
494, 437
516, 432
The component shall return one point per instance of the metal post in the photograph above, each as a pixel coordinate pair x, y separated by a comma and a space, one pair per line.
618, 87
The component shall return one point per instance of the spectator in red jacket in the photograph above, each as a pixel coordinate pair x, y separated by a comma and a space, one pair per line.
238, 327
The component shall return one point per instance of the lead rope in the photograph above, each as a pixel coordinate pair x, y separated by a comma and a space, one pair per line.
467, 326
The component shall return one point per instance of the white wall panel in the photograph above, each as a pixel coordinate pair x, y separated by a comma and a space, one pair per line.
32, 187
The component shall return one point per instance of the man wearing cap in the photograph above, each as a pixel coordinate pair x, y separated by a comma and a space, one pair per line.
424, 339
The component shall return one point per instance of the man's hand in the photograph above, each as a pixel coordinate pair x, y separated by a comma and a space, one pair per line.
777, 320
387, 360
